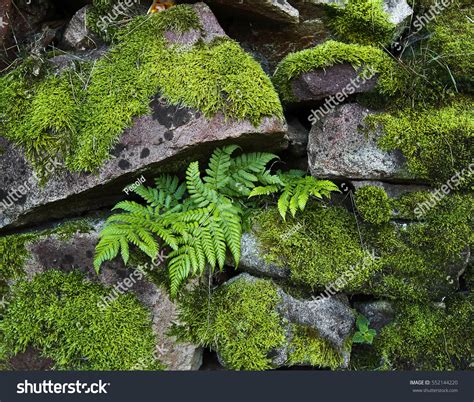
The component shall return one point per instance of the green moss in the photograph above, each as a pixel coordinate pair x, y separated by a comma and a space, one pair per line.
418, 259
437, 142
57, 313
330, 53
307, 347
452, 42
239, 320
362, 21
373, 204
13, 249
324, 252
425, 337
94, 104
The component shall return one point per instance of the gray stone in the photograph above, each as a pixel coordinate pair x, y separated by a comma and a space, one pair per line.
379, 313
77, 36
392, 190
340, 146
298, 138
321, 83
275, 10
252, 260
77, 252
332, 318
398, 10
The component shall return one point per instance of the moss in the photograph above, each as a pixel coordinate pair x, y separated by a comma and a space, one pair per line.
373, 204
418, 259
239, 320
425, 337
437, 142
330, 53
94, 104
325, 251
307, 347
57, 313
362, 21
13, 249
452, 42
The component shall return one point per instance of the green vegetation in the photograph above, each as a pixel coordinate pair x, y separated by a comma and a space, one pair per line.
93, 104
323, 252
239, 320
373, 204
307, 347
426, 337
13, 248
201, 224
362, 21
418, 258
437, 142
57, 313
332, 52
364, 334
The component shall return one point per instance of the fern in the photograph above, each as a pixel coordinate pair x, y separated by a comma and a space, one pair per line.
296, 188
201, 219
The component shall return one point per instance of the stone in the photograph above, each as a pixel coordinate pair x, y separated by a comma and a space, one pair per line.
168, 138
379, 313
398, 10
321, 83
393, 190
252, 260
274, 10
341, 147
270, 43
297, 138
77, 253
76, 35
332, 318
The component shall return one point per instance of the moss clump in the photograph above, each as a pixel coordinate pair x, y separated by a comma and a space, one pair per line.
362, 21
57, 313
437, 142
325, 251
452, 42
373, 204
418, 259
307, 347
425, 337
330, 53
96, 103
239, 320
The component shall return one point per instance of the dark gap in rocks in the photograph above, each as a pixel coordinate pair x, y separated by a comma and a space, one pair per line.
361, 298
210, 362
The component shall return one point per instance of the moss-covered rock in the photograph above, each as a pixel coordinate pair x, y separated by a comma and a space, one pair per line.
93, 105
362, 21
331, 53
373, 205
57, 313
427, 337
437, 142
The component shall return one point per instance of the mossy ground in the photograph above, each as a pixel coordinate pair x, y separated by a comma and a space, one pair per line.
93, 104
57, 313
330, 53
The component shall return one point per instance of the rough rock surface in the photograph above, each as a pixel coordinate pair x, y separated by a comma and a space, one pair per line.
398, 10
297, 138
270, 43
379, 313
77, 253
252, 260
321, 83
76, 35
332, 318
168, 135
275, 10
392, 190
339, 147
